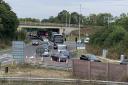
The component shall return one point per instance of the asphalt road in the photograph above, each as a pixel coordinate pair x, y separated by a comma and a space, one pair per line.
31, 51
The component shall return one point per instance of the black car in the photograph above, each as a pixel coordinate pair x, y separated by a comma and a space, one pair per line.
89, 57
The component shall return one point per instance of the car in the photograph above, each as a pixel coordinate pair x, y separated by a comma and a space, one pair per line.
83, 57
59, 57
65, 53
35, 42
45, 40
45, 53
124, 62
89, 57
46, 45
86, 40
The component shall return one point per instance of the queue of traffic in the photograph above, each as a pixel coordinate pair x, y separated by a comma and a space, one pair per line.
53, 47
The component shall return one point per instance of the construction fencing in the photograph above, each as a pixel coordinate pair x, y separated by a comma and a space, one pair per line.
100, 71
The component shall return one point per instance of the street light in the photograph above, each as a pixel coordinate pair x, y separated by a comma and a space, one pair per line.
66, 20
79, 21
69, 19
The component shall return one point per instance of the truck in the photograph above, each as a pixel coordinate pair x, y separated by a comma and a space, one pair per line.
57, 39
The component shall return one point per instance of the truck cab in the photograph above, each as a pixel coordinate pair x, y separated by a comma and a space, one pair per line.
61, 47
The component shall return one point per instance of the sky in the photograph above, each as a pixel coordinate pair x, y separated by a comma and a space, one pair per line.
45, 8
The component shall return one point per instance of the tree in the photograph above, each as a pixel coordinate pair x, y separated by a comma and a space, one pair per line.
74, 18
63, 16
123, 21
9, 21
103, 19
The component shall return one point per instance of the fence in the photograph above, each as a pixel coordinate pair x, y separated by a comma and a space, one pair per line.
100, 71
53, 81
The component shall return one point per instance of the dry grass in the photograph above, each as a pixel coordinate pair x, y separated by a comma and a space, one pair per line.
36, 72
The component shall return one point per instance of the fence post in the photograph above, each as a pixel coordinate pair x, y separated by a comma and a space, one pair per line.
90, 71
127, 70
73, 67
107, 71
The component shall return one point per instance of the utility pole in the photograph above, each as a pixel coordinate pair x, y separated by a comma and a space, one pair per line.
79, 21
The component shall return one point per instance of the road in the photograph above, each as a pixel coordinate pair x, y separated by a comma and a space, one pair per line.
31, 51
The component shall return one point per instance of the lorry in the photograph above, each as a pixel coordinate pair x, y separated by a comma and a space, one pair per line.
57, 39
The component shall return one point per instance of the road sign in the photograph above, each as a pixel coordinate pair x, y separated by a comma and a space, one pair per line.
18, 51
80, 45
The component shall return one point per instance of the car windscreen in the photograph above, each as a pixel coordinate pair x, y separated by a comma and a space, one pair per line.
66, 53
62, 47
34, 40
58, 39
45, 46
92, 57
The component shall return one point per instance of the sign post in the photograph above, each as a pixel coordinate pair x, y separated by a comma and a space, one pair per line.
18, 51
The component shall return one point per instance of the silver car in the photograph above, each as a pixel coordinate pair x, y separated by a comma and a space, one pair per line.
45, 53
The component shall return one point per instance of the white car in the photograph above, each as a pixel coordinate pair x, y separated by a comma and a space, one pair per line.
87, 40
35, 42
45, 53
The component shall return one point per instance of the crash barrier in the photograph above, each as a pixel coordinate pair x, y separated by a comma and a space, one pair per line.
100, 71
53, 81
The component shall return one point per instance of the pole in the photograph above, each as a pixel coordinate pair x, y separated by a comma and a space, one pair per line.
66, 20
108, 21
69, 19
79, 21
69, 22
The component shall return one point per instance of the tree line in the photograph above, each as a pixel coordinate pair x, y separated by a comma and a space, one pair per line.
65, 16
113, 36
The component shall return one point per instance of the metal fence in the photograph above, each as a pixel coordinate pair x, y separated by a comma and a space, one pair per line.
53, 81
100, 71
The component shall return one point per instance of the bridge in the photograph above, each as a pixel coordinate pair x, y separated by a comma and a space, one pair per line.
49, 26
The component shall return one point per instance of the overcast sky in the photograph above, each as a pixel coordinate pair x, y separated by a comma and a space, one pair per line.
46, 8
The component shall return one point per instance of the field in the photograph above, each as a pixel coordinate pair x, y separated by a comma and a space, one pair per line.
34, 71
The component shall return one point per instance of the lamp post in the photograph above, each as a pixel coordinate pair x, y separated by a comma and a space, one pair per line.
79, 21
69, 20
